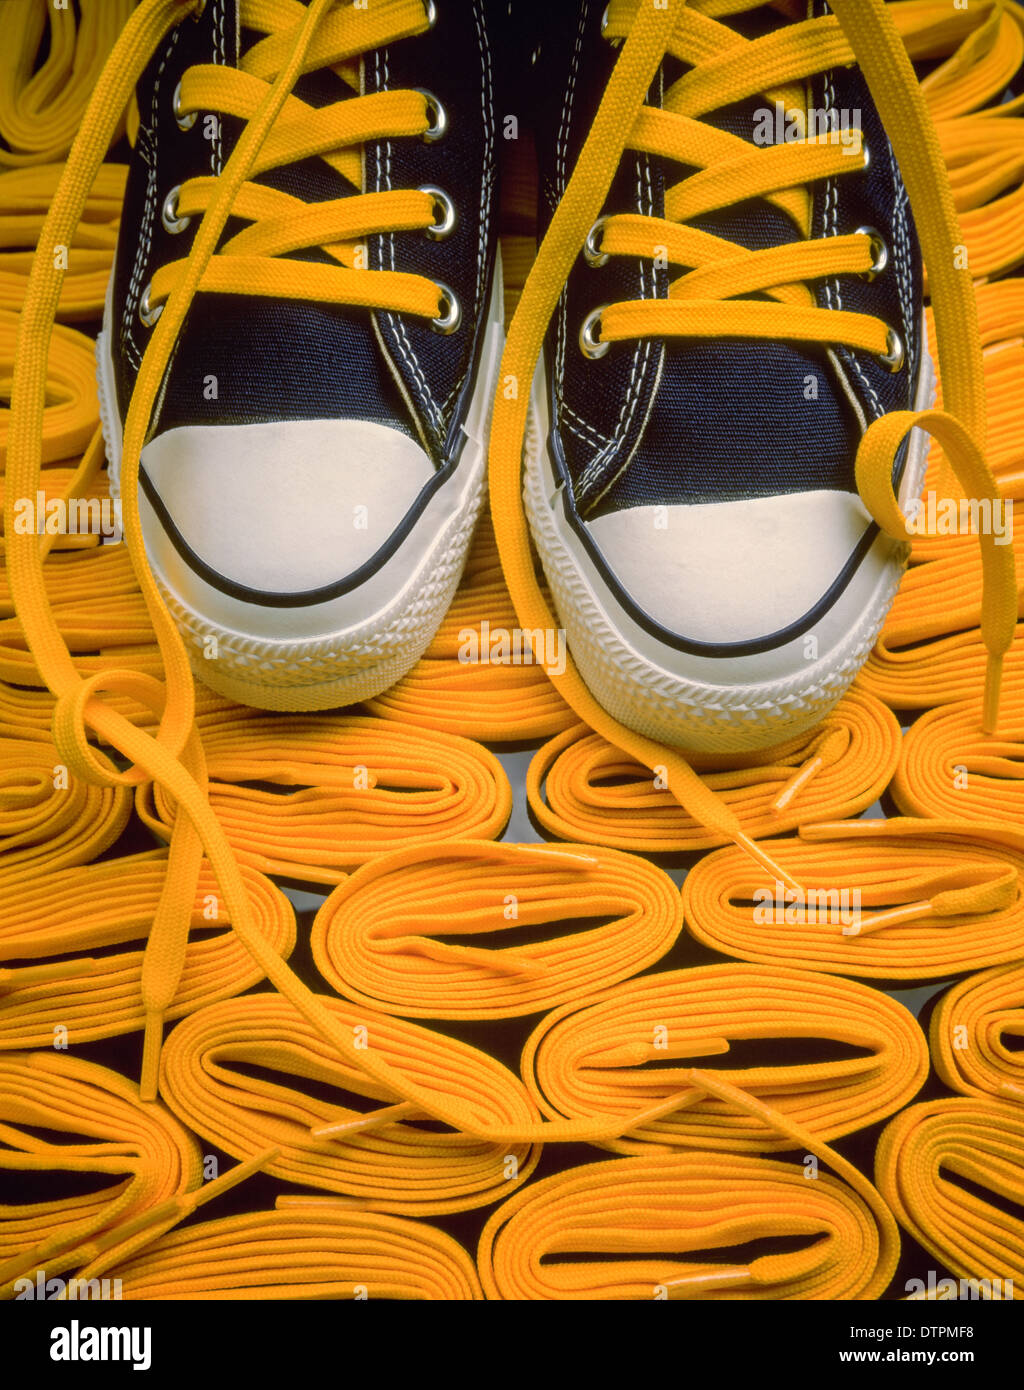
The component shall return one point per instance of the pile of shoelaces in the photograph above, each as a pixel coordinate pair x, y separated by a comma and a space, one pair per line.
710, 1093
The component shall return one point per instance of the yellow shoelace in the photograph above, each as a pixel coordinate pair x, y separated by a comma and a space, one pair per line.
110, 904
380, 1157
951, 770
582, 787
147, 1155
375, 938
606, 1054
923, 1151
885, 899
969, 1030
664, 1204
41, 105
304, 1249
365, 786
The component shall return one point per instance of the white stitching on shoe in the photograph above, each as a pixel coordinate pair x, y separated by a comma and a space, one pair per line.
561, 147
147, 152
902, 257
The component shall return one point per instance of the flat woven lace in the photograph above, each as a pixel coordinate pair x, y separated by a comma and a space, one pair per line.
151, 723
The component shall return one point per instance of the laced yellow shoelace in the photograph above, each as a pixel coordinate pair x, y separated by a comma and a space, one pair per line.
375, 938
303, 1249
605, 1054
885, 899
123, 708
726, 68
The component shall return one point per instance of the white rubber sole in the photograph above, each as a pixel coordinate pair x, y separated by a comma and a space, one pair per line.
328, 660
708, 704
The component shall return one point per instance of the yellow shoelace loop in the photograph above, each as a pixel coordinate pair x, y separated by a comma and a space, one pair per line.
949, 769
687, 1202
148, 1156
110, 904
608, 1054
582, 787
378, 1157
41, 104
375, 939
969, 1030
365, 786
304, 1249
920, 1155
883, 899
716, 78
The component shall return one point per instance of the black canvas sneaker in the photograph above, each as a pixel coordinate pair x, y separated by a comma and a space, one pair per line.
316, 458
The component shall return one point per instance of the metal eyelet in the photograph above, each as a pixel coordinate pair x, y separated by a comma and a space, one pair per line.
895, 353
879, 252
147, 314
866, 152
431, 14
591, 254
185, 120
444, 209
169, 212
590, 344
451, 312
437, 115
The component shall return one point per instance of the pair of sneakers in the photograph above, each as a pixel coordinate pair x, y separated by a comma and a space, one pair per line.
316, 460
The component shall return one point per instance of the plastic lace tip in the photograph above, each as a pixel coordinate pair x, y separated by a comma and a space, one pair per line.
568, 856
40, 974
761, 856
993, 690
152, 1042
297, 1202
376, 1119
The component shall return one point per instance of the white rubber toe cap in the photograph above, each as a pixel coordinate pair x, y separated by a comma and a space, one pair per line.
285, 507
732, 572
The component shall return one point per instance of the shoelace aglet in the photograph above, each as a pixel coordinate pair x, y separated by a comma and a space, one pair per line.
796, 782
152, 1042
891, 917
728, 1277
993, 688
376, 1119
41, 974
761, 857
570, 856
296, 1201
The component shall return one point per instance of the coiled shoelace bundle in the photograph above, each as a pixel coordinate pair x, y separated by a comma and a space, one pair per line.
659, 1212
366, 786
70, 414
108, 904
920, 1154
455, 689
900, 899
383, 1156
968, 1031
25, 195
303, 1249
49, 818
41, 106
374, 939
950, 769
608, 1055
581, 787
146, 1157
